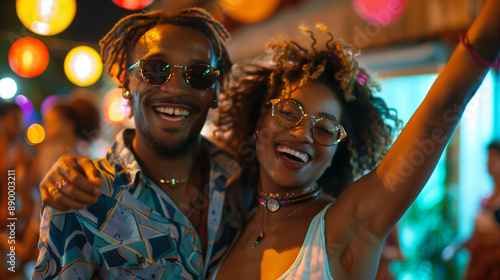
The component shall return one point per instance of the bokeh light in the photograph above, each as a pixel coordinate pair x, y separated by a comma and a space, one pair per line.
46, 17
26, 105
8, 88
133, 4
83, 66
48, 103
116, 108
28, 57
249, 11
35, 134
380, 12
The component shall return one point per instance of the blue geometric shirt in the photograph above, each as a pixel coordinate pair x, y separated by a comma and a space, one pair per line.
135, 230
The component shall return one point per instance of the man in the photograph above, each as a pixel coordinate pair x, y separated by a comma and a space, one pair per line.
161, 212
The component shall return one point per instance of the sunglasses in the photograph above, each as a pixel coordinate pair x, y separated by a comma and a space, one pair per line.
288, 113
157, 72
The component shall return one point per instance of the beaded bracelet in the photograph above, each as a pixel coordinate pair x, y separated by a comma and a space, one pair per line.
465, 41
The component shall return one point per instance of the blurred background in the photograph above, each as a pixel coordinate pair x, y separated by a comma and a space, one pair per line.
50, 67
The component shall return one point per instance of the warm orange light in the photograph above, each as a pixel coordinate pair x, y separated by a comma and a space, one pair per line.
83, 66
28, 57
133, 4
249, 11
116, 108
46, 17
35, 134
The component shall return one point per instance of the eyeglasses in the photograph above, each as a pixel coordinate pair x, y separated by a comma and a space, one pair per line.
157, 72
288, 113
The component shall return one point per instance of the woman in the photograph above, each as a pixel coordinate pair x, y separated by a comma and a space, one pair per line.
315, 98
320, 128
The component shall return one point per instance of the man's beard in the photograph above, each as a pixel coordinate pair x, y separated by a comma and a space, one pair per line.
172, 151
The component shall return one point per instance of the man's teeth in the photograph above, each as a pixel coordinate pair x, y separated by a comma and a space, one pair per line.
303, 157
173, 111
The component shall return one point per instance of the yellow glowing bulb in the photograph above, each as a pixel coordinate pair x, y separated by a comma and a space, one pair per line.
35, 134
46, 17
83, 66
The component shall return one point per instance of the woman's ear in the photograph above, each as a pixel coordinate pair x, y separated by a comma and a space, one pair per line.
260, 120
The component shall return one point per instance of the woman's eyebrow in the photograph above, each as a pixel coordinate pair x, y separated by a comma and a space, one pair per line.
327, 115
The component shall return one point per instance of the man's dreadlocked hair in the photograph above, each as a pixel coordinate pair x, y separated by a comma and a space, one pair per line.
118, 43
369, 123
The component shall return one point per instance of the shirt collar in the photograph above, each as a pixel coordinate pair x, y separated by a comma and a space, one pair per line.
128, 170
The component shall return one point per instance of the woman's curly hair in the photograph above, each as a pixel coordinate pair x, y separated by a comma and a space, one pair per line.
369, 123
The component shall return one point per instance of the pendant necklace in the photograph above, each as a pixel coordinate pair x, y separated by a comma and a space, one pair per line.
273, 204
262, 230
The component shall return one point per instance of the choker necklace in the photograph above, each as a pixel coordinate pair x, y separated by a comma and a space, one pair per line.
262, 230
275, 204
288, 194
173, 183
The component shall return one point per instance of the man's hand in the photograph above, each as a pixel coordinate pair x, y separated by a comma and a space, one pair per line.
73, 182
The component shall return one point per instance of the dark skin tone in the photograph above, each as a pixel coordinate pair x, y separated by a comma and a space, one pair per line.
357, 224
180, 46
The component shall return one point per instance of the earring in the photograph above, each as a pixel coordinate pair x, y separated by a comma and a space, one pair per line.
216, 103
126, 94
253, 139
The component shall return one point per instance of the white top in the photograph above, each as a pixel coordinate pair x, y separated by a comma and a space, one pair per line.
312, 261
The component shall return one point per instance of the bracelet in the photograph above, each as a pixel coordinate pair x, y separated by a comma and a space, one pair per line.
465, 41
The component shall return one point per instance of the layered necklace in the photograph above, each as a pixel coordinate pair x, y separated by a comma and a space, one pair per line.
262, 229
274, 202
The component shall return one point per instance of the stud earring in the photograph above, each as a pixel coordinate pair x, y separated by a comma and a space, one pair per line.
216, 103
126, 94
253, 139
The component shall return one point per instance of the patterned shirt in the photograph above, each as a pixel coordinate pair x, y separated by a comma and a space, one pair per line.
135, 230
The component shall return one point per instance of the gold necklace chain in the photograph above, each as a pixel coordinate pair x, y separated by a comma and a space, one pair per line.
173, 182
261, 235
268, 195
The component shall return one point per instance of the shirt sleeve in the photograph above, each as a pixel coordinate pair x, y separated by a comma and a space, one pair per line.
65, 250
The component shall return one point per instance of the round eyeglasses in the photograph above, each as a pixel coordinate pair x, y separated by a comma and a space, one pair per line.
288, 113
157, 72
